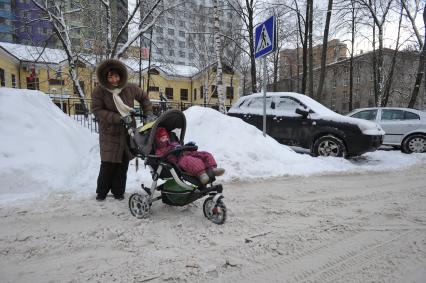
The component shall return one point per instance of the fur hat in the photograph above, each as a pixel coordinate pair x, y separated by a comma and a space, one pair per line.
111, 64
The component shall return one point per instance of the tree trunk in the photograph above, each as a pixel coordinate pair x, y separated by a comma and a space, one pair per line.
420, 69
380, 68
351, 60
217, 47
305, 50
251, 43
388, 85
311, 58
324, 49
375, 85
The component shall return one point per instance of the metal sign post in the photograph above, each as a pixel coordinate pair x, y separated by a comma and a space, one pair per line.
264, 96
265, 43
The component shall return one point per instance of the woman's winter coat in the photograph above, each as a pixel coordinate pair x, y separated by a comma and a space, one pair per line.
113, 137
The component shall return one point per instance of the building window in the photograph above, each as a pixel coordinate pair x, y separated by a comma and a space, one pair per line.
169, 93
171, 53
153, 88
201, 92
2, 78
214, 91
170, 43
171, 31
195, 94
182, 54
170, 21
183, 94
181, 33
159, 30
56, 82
182, 23
32, 83
230, 92
182, 44
13, 80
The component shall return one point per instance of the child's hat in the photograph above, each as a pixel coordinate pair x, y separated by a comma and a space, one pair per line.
161, 132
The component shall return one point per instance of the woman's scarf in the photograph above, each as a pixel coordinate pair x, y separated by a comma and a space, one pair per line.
123, 109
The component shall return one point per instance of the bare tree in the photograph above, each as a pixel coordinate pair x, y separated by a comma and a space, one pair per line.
113, 49
217, 47
57, 14
422, 47
324, 49
378, 10
247, 13
310, 20
389, 79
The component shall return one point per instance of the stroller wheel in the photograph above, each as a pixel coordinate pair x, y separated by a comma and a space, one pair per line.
139, 205
215, 212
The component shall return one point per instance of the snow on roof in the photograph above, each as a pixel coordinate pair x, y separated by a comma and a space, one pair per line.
133, 63
167, 69
175, 70
32, 53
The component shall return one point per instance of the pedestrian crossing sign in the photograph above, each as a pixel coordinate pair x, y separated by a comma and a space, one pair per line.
264, 38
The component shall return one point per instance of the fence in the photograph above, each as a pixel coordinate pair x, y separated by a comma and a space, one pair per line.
74, 108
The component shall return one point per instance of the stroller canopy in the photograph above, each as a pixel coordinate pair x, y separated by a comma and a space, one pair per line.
171, 119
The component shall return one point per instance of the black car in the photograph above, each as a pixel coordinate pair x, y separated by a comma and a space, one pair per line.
298, 120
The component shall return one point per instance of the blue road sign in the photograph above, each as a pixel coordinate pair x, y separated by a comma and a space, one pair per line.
264, 38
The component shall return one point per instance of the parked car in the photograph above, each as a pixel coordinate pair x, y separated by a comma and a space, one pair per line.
405, 128
296, 119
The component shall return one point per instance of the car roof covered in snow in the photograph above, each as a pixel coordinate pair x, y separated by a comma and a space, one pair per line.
306, 100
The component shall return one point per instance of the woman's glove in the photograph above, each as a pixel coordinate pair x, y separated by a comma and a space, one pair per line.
191, 143
127, 120
150, 118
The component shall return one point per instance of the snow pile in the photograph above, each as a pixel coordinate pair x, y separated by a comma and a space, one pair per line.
245, 153
41, 148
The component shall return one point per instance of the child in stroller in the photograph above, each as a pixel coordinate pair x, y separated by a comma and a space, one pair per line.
180, 187
198, 163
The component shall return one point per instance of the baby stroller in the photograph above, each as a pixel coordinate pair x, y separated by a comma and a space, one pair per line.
179, 188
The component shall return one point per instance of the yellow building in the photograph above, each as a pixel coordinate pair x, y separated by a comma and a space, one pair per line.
29, 67
183, 86
179, 86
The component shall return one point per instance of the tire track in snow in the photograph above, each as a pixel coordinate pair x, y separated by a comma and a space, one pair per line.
355, 251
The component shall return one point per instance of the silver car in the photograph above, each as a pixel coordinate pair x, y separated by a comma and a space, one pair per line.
405, 128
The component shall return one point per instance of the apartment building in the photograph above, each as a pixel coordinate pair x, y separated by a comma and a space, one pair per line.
184, 34
22, 22
6, 19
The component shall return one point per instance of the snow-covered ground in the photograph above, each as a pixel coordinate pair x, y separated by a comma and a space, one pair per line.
291, 217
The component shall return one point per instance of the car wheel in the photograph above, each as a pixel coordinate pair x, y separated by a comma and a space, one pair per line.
329, 146
414, 143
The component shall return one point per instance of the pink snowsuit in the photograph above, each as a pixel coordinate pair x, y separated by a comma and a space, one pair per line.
192, 162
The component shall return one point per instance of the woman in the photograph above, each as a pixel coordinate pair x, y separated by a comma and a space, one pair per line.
112, 100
